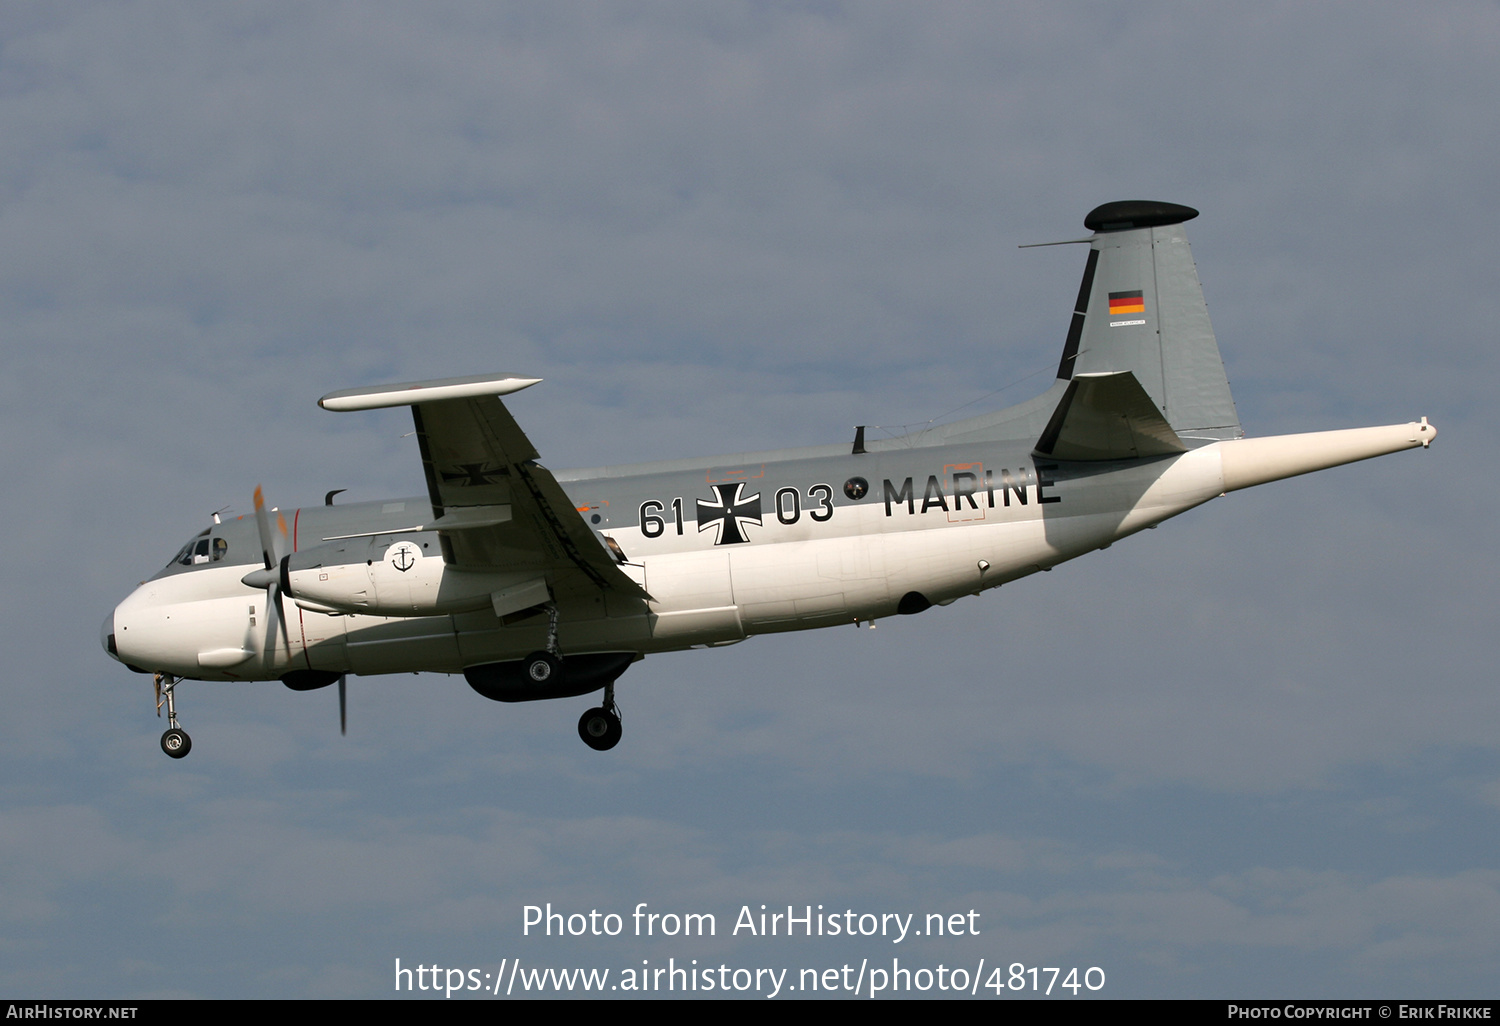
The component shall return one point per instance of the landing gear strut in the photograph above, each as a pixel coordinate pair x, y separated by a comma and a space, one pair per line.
175, 742
600, 728
545, 667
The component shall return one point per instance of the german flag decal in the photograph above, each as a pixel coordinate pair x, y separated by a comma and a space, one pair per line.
1126, 302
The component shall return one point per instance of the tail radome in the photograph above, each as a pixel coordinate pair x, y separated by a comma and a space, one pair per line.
1140, 309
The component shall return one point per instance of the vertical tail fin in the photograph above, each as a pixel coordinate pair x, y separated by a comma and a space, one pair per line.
1140, 309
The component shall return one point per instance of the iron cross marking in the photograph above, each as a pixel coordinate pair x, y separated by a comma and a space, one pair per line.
730, 514
474, 475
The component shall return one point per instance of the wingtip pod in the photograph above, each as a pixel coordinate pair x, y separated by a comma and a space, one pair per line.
1251, 461
411, 393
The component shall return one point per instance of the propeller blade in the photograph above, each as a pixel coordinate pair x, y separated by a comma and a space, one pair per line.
274, 593
274, 611
269, 578
343, 709
267, 540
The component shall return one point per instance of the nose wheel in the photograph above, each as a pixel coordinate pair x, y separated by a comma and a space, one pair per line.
175, 742
600, 728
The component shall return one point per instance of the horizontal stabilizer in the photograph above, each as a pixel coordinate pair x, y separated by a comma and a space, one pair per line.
1107, 416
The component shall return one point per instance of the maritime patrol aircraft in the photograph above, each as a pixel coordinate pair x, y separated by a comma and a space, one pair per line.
535, 584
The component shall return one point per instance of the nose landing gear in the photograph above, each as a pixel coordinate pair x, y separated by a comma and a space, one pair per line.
175, 742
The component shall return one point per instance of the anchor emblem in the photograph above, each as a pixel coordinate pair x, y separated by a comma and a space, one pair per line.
403, 556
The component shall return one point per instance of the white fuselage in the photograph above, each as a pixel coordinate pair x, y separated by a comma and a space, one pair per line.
854, 562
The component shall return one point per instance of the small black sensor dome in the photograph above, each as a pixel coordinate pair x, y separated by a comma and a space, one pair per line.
1122, 215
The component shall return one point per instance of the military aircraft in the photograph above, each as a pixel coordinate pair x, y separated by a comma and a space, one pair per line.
535, 584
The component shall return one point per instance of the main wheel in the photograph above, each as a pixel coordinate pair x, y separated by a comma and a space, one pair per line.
176, 743
543, 668
600, 729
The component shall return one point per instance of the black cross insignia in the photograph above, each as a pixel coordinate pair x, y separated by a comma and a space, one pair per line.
730, 513
471, 475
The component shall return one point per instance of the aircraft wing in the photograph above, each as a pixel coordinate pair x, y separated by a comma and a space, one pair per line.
496, 508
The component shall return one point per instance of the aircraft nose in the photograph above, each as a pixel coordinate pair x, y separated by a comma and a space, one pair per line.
107, 636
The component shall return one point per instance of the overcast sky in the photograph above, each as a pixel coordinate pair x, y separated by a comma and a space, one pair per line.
1252, 753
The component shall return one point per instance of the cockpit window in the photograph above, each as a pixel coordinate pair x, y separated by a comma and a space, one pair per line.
202, 549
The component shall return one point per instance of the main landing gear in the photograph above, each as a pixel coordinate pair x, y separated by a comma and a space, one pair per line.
543, 668
546, 667
175, 742
600, 728
548, 675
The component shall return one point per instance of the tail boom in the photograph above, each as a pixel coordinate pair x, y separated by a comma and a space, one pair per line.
1252, 461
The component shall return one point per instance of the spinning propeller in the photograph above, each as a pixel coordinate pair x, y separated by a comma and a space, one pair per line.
274, 579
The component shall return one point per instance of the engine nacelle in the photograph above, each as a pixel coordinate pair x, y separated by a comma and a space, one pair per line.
380, 576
